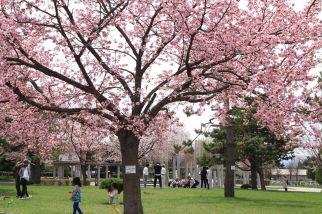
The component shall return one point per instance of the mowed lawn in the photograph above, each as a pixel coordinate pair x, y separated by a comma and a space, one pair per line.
55, 199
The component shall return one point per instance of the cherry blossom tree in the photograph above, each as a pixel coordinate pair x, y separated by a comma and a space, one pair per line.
90, 145
31, 131
27, 134
125, 62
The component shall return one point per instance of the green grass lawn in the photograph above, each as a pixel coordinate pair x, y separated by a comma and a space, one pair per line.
55, 199
6, 179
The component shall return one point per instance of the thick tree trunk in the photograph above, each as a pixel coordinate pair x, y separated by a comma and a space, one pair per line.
261, 178
230, 158
132, 192
83, 169
253, 176
35, 170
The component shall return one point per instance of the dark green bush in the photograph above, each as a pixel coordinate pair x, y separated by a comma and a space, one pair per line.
107, 184
318, 175
245, 186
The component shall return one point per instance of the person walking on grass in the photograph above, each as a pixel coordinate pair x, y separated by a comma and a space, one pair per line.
113, 193
17, 178
24, 174
76, 195
145, 174
157, 175
285, 183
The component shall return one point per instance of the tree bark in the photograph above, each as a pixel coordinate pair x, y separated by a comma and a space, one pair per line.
253, 175
261, 178
83, 169
230, 158
131, 182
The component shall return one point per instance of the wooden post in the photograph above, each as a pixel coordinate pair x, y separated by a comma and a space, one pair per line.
63, 171
89, 171
221, 176
60, 172
174, 158
54, 171
210, 180
167, 173
79, 172
186, 170
215, 183
178, 166
106, 172
118, 171
98, 174
71, 171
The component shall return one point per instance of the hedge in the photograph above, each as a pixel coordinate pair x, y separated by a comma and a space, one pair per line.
61, 182
245, 186
107, 184
318, 175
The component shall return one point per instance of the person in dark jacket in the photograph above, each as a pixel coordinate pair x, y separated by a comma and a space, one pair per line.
204, 179
17, 178
157, 175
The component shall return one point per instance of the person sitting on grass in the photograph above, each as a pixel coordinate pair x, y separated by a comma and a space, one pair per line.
191, 183
76, 195
113, 192
176, 183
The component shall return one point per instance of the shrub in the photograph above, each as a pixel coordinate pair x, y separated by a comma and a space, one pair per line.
67, 182
245, 186
318, 175
107, 184
60, 182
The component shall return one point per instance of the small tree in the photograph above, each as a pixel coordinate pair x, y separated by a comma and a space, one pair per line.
256, 145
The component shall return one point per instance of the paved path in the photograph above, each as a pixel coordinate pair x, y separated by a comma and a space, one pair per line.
294, 189
7, 183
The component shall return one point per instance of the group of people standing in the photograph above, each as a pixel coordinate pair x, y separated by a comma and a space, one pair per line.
159, 175
22, 175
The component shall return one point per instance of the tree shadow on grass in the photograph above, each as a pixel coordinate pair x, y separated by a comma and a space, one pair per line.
276, 202
261, 202
7, 191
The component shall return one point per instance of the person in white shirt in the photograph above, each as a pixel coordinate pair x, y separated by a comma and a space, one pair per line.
209, 177
24, 174
145, 174
163, 173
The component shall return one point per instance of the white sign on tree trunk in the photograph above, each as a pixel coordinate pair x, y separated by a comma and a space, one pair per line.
130, 169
